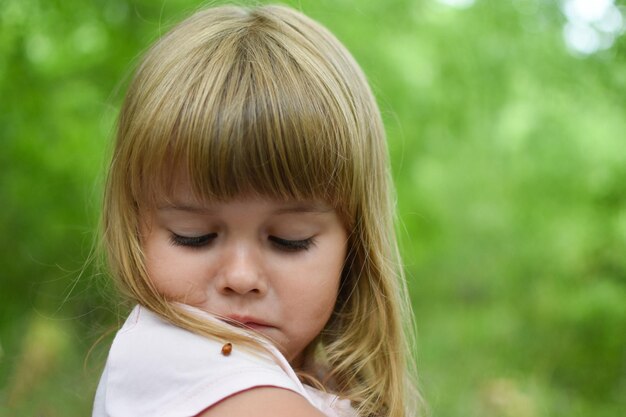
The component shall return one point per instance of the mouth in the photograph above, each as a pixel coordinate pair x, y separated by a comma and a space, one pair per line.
245, 322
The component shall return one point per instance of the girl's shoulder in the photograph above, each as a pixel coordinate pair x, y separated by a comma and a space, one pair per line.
156, 368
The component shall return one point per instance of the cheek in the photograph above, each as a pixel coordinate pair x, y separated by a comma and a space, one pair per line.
160, 270
317, 286
158, 262
173, 274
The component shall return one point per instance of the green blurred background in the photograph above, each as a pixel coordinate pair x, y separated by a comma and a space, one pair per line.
506, 122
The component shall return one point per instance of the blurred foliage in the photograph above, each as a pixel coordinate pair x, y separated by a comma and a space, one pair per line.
509, 157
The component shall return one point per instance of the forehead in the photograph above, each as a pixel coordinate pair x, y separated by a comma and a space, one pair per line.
182, 197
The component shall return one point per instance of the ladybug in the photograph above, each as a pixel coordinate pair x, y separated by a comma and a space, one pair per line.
227, 348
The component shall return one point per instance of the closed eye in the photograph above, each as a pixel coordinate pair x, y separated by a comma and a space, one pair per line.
291, 245
192, 241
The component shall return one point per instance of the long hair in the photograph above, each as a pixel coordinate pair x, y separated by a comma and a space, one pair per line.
264, 100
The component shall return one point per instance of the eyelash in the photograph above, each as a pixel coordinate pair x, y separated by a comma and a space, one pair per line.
282, 244
192, 242
292, 245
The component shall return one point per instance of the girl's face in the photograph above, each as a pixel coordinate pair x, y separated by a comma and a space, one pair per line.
274, 266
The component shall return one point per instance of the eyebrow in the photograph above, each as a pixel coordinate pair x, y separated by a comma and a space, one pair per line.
188, 208
303, 208
290, 209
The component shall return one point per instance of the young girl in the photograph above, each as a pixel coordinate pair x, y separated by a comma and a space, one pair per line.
248, 216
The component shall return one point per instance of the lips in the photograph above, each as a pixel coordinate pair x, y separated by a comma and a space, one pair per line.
248, 322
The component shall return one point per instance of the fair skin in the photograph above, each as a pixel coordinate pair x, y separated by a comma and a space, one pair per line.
261, 402
273, 266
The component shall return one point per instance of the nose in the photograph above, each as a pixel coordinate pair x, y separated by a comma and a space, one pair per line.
241, 272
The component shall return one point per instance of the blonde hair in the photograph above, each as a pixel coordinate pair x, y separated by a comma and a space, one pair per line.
265, 100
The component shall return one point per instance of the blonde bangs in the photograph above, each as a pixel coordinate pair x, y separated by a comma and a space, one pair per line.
244, 115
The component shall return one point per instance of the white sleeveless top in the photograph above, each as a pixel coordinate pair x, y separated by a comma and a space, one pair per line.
156, 369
